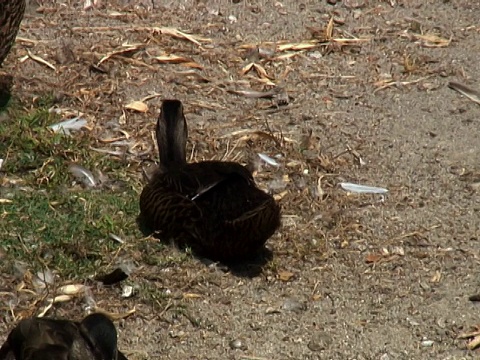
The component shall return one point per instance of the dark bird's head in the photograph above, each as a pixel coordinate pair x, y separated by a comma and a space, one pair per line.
171, 134
100, 331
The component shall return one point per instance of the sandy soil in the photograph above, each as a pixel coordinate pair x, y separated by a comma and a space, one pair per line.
353, 276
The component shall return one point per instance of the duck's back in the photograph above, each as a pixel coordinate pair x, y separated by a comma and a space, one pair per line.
234, 193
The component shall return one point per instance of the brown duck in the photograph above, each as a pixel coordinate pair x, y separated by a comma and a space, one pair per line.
95, 338
213, 207
11, 14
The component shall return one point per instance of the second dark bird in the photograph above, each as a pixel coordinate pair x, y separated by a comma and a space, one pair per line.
94, 338
213, 207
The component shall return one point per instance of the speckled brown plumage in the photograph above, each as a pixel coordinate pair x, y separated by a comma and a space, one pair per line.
95, 338
11, 14
214, 207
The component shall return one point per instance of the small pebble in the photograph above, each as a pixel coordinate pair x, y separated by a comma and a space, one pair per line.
427, 343
176, 334
293, 305
319, 341
398, 250
272, 310
315, 55
237, 344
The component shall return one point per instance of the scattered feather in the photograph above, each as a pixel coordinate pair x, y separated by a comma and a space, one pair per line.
202, 191
268, 160
116, 238
90, 303
83, 175
362, 189
127, 291
64, 127
127, 266
43, 279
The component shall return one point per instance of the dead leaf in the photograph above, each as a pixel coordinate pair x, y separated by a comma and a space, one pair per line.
137, 106
432, 41
177, 59
126, 50
171, 59
469, 334
71, 289
115, 316
329, 29
373, 258
60, 298
191, 296
472, 345
247, 68
41, 61
193, 65
262, 72
180, 34
470, 93
285, 275
304, 45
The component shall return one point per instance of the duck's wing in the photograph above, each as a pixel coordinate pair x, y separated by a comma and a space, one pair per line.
239, 217
47, 352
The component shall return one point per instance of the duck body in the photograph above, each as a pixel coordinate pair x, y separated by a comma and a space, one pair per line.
95, 338
214, 207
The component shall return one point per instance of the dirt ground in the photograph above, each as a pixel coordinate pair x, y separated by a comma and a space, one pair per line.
352, 276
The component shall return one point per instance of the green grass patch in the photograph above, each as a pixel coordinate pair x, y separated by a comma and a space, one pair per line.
44, 220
